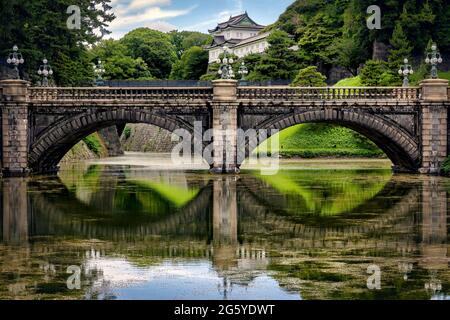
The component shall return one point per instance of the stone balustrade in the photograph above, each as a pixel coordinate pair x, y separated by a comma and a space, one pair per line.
110, 93
329, 93
206, 93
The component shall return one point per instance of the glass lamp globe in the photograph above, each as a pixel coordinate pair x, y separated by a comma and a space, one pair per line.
405, 61
231, 60
39, 72
225, 61
220, 72
22, 61
400, 72
427, 60
440, 60
434, 47
50, 72
411, 71
45, 61
405, 72
8, 61
45, 73
15, 48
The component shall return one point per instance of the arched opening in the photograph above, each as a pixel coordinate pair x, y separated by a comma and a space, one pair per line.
398, 145
48, 150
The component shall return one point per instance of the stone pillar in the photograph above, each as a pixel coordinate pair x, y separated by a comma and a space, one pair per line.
111, 138
434, 124
224, 125
14, 128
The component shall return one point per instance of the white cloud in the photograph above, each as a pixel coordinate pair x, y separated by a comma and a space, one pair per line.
144, 13
139, 4
150, 14
219, 17
162, 26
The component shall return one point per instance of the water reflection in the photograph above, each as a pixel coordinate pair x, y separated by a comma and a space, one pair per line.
187, 235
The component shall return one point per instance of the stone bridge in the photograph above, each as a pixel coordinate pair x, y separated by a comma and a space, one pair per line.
39, 125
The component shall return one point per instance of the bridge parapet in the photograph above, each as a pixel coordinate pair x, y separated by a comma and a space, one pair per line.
329, 93
114, 94
207, 93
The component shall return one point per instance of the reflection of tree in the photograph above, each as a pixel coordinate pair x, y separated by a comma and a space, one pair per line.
324, 192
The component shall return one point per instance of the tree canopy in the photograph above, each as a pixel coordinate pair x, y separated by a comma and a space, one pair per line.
39, 28
192, 65
154, 47
309, 77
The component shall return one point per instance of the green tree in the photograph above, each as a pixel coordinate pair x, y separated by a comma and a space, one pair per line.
251, 61
39, 29
377, 73
126, 68
349, 54
154, 47
401, 48
192, 65
184, 40
118, 64
309, 77
279, 62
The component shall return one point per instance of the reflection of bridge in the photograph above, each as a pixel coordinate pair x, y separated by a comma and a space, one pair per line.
41, 124
241, 232
226, 212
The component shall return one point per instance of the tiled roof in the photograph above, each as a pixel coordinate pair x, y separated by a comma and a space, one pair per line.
234, 22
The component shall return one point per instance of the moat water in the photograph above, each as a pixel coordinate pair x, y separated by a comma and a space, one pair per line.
137, 228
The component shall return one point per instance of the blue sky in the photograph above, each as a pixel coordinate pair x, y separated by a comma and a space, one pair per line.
195, 15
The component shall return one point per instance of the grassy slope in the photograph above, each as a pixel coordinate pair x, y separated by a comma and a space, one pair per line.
444, 75
324, 140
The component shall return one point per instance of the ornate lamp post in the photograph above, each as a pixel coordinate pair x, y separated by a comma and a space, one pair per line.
15, 59
45, 70
406, 70
243, 71
226, 70
99, 71
434, 58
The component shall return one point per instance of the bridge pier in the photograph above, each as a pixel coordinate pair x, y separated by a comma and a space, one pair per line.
224, 126
434, 125
14, 128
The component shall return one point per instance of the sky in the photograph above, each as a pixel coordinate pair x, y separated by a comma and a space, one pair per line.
192, 15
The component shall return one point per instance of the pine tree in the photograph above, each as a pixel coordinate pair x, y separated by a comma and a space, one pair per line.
279, 62
309, 77
401, 48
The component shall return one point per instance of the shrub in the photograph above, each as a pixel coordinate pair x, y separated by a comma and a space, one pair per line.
93, 143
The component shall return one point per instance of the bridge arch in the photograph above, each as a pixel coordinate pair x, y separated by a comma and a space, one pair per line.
399, 145
50, 147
